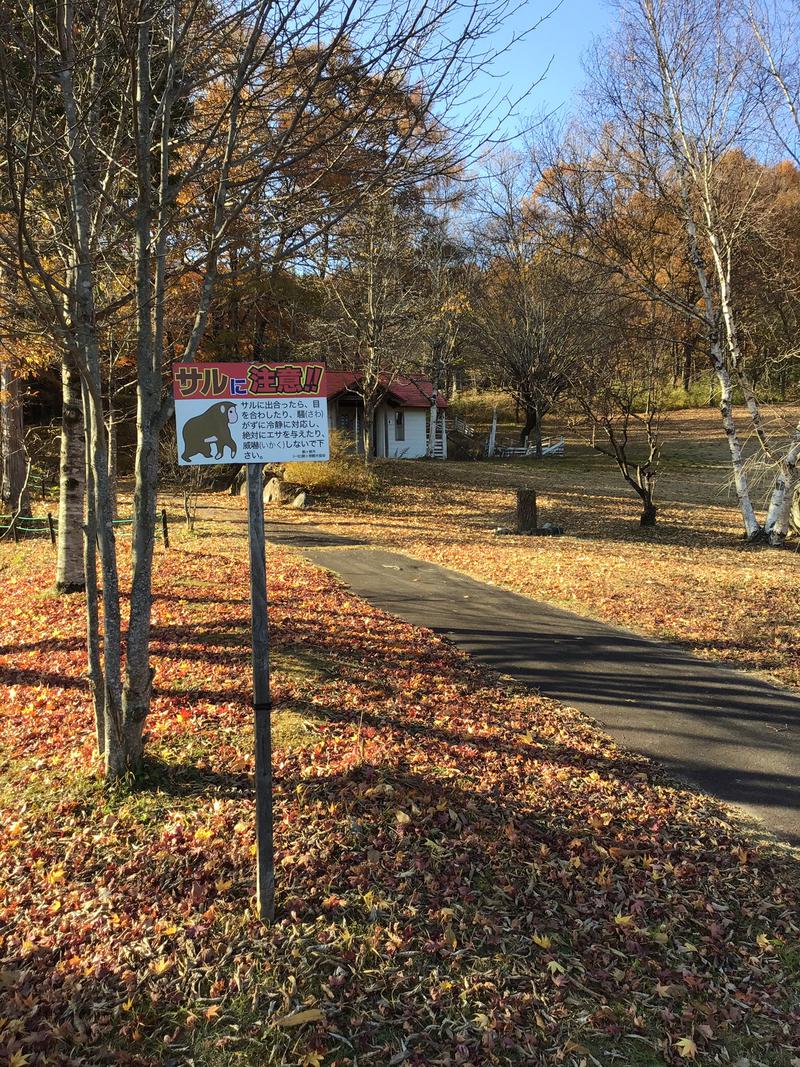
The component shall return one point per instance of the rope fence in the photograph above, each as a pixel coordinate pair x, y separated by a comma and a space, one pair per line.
28, 526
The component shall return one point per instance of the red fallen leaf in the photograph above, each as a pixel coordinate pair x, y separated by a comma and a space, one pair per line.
433, 915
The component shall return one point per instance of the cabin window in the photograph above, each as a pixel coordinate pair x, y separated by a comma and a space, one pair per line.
399, 426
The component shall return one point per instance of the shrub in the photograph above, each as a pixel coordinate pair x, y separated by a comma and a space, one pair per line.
476, 407
344, 473
679, 399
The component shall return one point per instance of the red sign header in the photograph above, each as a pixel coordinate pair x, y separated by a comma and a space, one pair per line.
231, 381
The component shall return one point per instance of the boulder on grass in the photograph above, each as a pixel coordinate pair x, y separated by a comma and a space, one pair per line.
285, 494
273, 491
549, 529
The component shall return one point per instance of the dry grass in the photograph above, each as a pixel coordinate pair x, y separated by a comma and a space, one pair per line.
692, 580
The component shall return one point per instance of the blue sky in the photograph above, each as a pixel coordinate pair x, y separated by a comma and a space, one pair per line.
564, 36
561, 41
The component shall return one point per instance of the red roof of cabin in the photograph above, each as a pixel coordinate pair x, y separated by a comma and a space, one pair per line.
409, 392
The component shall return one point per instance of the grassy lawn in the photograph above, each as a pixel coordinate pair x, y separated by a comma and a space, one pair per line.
467, 874
691, 580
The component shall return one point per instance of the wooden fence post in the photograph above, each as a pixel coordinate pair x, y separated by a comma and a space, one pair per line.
164, 528
51, 527
527, 515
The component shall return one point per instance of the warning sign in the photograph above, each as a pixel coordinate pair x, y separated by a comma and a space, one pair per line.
250, 412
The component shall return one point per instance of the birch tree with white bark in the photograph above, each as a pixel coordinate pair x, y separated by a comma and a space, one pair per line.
697, 149
702, 107
673, 104
775, 70
70, 570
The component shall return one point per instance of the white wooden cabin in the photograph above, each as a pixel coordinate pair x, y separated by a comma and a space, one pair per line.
402, 418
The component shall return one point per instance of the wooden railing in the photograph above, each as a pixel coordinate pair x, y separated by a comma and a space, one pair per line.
551, 446
462, 427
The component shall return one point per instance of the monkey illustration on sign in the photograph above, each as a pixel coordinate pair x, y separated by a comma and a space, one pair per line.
210, 428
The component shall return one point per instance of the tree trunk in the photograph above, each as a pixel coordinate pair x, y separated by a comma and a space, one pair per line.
527, 512
688, 350
138, 672
70, 568
88, 352
779, 516
537, 432
100, 512
789, 505
492, 442
752, 526
93, 650
643, 479
649, 513
531, 420
794, 512
112, 433
369, 429
532, 427
12, 444
434, 425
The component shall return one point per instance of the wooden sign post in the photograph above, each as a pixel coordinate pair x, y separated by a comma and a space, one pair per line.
262, 705
253, 414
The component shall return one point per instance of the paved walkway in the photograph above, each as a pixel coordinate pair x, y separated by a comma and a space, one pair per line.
726, 731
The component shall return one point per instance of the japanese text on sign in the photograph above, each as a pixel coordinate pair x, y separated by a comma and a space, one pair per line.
250, 412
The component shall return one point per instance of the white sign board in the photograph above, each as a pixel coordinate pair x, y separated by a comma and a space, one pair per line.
250, 412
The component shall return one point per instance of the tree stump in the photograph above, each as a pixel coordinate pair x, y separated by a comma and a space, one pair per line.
527, 513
